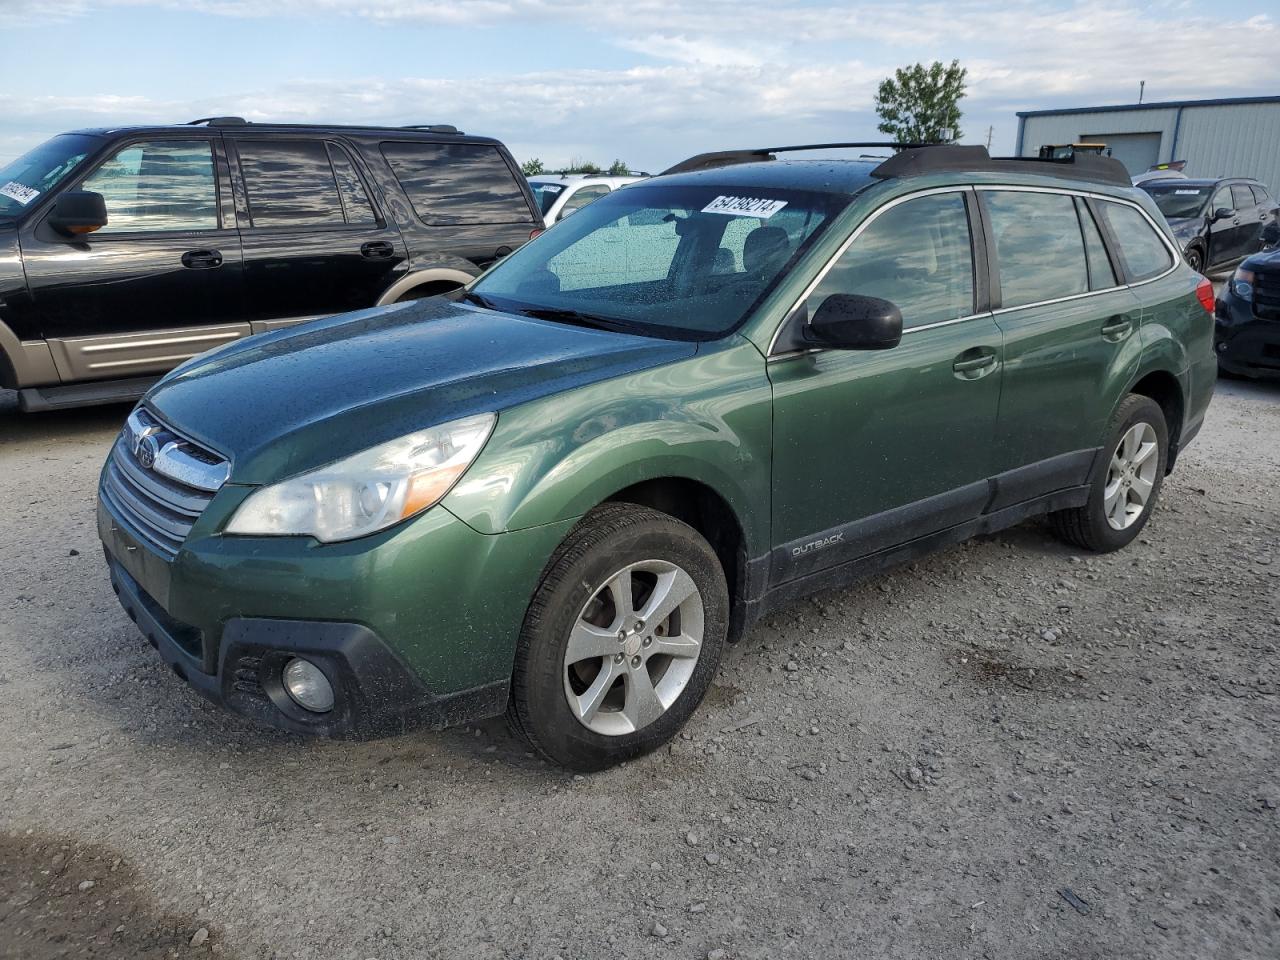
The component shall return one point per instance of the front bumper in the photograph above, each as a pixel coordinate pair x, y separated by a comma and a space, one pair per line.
1244, 343
414, 628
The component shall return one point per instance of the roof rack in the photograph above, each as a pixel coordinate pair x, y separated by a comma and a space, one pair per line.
725, 158
433, 128
919, 159
218, 122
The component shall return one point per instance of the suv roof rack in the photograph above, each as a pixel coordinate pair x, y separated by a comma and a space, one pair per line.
918, 159
433, 128
218, 122
242, 122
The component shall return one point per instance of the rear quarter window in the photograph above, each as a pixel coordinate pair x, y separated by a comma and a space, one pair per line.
1143, 252
457, 183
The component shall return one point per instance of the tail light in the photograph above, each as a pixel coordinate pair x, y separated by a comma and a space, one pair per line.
1204, 293
537, 232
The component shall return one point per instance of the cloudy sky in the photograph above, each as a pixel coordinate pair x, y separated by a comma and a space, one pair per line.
648, 81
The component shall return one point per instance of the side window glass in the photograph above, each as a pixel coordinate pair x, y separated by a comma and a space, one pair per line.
1101, 274
917, 255
355, 202
1241, 197
1143, 252
290, 183
1222, 200
1039, 246
1259, 195
453, 183
584, 195
169, 185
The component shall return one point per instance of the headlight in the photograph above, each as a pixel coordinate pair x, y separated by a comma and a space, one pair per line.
370, 491
1241, 283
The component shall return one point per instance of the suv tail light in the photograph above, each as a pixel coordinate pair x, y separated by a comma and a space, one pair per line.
1204, 293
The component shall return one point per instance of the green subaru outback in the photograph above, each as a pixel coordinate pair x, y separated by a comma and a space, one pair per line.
561, 493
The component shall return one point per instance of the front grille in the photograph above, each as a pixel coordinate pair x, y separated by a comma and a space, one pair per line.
159, 482
1266, 294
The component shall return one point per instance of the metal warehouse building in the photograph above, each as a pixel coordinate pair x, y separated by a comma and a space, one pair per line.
1239, 137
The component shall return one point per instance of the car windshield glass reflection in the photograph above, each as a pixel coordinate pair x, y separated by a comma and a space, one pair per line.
1178, 202
40, 170
679, 262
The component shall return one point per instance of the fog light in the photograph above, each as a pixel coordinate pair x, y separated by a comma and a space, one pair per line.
308, 686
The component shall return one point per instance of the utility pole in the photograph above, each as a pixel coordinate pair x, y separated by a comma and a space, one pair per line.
1142, 86
990, 130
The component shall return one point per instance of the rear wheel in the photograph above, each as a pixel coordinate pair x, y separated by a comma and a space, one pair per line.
621, 640
1124, 491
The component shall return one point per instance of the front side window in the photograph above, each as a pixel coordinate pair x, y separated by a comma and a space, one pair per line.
680, 262
1144, 254
167, 185
456, 183
38, 171
290, 183
917, 255
1222, 200
1039, 246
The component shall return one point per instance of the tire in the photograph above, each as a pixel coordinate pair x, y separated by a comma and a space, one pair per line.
1195, 259
1089, 526
617, 544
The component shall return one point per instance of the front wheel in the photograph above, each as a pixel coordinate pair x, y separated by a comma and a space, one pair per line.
1195, 259
1125, 489
621, 639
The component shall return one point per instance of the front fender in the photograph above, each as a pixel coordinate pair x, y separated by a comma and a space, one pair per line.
706, 418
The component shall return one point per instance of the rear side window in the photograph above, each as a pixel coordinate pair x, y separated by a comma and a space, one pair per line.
290, 183
452, 183
1241, 196
916, 255
1101, 274
1143, 252
1039, 246
167, 185
1259, 195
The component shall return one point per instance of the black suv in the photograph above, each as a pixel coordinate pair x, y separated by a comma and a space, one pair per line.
1218, 222
123, 252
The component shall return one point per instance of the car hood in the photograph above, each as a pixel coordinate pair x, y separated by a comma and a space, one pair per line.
285, 402
1267, 260
1185, 226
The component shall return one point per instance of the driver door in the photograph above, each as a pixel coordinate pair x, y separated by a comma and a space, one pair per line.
876, 448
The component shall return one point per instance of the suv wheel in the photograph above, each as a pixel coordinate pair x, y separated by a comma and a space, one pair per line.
621, 640
1195, 259
1125, 490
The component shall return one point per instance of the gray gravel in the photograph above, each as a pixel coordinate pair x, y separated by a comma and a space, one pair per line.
1004, 751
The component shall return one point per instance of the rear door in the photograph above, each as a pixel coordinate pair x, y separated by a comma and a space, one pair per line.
1070, 337
1249, 219
1224, 241
314, 241
160, 282
874, 448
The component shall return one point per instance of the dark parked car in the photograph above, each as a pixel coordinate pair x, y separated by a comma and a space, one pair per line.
1247, 334
1217, 222
124, 252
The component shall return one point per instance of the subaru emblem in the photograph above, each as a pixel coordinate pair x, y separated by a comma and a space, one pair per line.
148, 450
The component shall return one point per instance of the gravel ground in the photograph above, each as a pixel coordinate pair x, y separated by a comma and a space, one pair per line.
1004, 751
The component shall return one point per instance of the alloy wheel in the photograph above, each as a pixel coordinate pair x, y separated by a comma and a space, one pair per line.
633, 647
1131, 476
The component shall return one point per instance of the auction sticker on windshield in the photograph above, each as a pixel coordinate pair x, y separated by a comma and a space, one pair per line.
20, 192
745, 207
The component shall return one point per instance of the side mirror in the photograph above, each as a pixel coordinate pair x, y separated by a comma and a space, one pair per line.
851, 322
1223, 213
78, 212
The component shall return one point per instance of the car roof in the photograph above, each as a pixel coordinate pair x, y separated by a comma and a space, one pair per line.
1197, 181
580, 177
819, 176
198, 129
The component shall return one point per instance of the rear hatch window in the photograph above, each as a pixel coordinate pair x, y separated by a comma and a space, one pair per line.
458, 183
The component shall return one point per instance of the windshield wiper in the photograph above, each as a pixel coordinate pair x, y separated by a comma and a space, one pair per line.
479, 300
575, 317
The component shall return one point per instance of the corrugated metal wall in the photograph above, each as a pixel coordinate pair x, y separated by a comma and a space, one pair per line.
1238, 140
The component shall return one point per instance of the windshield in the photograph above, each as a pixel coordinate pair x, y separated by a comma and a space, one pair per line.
40, 170
546, 194
685, 263
1178, 200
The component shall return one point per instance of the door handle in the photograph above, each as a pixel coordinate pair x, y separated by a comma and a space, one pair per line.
973, 367
1117, 328
377, 250
202, 259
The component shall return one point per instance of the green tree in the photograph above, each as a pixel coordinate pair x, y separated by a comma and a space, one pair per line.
578, 165
531, 168
920, 104
619, 168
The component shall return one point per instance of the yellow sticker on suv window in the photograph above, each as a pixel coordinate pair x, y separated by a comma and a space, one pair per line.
745, 207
